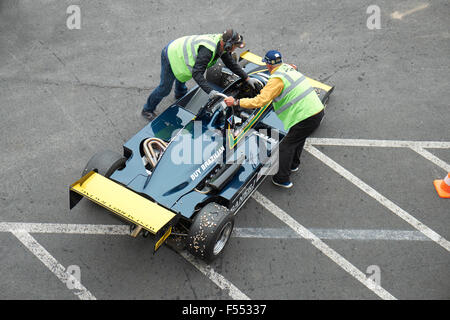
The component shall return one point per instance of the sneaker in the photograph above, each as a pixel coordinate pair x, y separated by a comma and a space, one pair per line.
286, 185
148, 115
295, 169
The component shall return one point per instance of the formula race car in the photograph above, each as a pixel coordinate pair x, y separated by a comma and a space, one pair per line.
187, 173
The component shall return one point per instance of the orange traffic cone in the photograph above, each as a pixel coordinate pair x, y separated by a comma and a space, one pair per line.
443, 187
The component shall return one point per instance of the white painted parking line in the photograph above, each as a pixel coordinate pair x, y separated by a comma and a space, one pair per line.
331, 234
379, 197
262, 233
431, 157
52, 264
325, 249
215, 277
22, 230
378, 143
65, 228
417, 146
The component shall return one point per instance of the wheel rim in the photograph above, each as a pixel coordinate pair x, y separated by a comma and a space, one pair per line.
223, 238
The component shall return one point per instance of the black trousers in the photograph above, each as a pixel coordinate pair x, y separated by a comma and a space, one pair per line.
292, 145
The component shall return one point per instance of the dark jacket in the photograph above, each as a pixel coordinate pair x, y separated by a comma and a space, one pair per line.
203, 57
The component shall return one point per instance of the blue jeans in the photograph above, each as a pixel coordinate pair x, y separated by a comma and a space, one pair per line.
165, 85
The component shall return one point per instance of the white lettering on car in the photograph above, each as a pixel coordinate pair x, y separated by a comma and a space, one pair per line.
211, 160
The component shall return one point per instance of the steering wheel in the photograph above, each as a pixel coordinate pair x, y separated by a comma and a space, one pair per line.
222, 95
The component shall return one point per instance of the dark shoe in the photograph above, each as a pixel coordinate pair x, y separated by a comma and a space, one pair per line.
148, 115
295, 169
286, 185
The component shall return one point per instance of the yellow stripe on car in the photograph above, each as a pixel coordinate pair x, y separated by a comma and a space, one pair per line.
163, 238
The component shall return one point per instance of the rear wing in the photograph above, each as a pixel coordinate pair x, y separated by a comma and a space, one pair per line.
125, 203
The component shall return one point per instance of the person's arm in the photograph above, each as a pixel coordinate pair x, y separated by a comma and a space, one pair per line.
271, 90
231, 64
201, 63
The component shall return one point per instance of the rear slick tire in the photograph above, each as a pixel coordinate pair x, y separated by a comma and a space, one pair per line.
210, 232
105, 163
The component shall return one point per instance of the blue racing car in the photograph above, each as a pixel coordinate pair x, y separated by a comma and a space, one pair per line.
187, 173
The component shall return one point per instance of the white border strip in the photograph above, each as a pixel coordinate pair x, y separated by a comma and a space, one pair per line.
331, 234
378, 143
52, 264
215, 277
65, 228
431, 157
379, 197
325, 249
22, 230
259, 233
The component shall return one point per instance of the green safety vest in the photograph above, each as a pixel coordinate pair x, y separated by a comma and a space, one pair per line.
298, 100
182, 53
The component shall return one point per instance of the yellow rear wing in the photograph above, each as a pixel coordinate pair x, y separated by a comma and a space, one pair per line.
253, 58
125, 203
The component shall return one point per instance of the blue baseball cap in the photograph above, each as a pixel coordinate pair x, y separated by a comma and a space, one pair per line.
272, 57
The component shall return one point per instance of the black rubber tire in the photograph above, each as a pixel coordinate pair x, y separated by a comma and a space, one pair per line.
213, 223
105, 163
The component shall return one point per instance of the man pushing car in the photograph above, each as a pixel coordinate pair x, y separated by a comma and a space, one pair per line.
189, 57
296, 104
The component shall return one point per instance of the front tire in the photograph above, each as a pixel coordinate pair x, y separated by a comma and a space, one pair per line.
210, 232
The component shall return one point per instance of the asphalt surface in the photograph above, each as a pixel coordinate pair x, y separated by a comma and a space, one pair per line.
64, 94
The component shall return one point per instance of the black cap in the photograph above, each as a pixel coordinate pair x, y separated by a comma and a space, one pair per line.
233, 37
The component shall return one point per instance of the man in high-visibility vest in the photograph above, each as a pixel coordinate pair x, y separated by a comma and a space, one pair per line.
189, 57
297, 105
